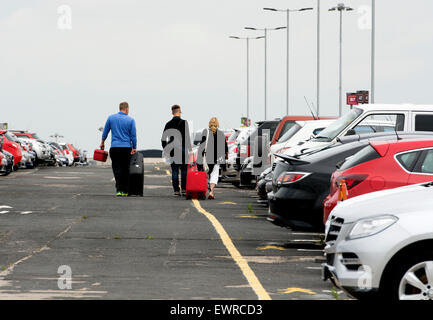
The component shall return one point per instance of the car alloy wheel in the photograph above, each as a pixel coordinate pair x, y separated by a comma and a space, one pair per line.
417, 282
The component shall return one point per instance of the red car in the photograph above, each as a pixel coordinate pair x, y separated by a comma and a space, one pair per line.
11, 146
74, 152
289, 121
381, 166
25, 134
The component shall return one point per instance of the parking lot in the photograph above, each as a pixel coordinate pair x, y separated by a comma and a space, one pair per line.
155, 247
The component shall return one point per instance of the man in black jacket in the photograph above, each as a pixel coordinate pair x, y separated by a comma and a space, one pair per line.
177, 145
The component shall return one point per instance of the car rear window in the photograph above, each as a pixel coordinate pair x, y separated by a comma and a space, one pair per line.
364, 155
407, 160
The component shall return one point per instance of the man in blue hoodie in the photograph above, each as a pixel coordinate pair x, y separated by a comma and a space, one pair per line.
123, 145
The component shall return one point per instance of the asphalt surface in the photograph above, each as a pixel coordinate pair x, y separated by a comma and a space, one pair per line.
156, 247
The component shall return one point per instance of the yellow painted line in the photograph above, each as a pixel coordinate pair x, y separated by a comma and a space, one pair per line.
235, 254
248, 217
271, 248
168, 172
293, 290
227, 202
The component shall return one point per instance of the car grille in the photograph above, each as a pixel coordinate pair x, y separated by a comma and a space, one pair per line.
334, 229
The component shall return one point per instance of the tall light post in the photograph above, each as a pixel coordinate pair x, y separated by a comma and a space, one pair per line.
265, 30
373, 50
248, 69
318, 59
341, 7
56, 136
288, 11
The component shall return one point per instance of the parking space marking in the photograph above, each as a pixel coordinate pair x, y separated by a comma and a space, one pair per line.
293, 290
271, 248
248, 217
235, 254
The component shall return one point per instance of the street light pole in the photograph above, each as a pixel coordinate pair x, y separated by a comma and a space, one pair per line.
287, 11
373, 50
341, 7
318, 59
248, 70
266, 61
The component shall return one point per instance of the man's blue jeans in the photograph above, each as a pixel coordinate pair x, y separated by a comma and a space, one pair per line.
175, 176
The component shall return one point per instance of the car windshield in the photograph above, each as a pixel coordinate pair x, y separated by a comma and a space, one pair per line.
290, 133
233, 136
331, 132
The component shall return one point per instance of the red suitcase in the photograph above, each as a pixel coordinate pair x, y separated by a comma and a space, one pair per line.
196, 183
100, 155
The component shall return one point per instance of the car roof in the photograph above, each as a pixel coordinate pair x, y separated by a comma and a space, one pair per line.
331, 150
395, 107
382, 147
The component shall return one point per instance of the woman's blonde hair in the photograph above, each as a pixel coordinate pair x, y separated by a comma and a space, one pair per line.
214, 125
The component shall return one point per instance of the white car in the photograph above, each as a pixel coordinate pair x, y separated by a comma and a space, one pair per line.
67, 153
405, 117
300, 132
381, 244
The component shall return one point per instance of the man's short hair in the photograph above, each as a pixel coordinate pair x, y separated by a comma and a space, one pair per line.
175, 108
123, 106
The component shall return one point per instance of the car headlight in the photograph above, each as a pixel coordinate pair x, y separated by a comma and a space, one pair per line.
371, 226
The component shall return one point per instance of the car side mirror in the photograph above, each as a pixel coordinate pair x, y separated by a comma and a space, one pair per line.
351, 132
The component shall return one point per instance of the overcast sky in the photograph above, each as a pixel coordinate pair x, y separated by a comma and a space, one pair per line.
154, 54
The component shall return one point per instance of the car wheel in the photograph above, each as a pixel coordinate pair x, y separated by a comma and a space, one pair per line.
411, 278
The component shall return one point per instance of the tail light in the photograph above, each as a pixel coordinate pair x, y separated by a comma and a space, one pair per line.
352, 180
235, 150
287, 178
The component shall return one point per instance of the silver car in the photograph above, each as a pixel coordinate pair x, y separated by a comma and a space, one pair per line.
381, 244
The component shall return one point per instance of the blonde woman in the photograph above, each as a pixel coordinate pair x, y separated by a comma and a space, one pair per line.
213, 152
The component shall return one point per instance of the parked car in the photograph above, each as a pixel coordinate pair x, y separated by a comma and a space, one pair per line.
298, 134
301, 184
373, 118
231, 174
380, 166
11, 145
37, 145
379, 245
62, 160
68, 153
8, 162
75, 152
287, 123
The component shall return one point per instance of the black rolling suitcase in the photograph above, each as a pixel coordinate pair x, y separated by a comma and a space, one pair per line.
136, 175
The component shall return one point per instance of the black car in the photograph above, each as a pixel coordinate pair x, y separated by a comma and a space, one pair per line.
300, 184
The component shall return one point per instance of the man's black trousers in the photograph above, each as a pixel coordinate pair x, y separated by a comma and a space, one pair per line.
120, 158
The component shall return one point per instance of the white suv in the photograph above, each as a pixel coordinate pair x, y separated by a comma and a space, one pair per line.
404, 117
381, 244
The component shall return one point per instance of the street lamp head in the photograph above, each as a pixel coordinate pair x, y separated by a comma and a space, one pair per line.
270, 9
249, 28
280, 28
233, 37
305, 9
260, 37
